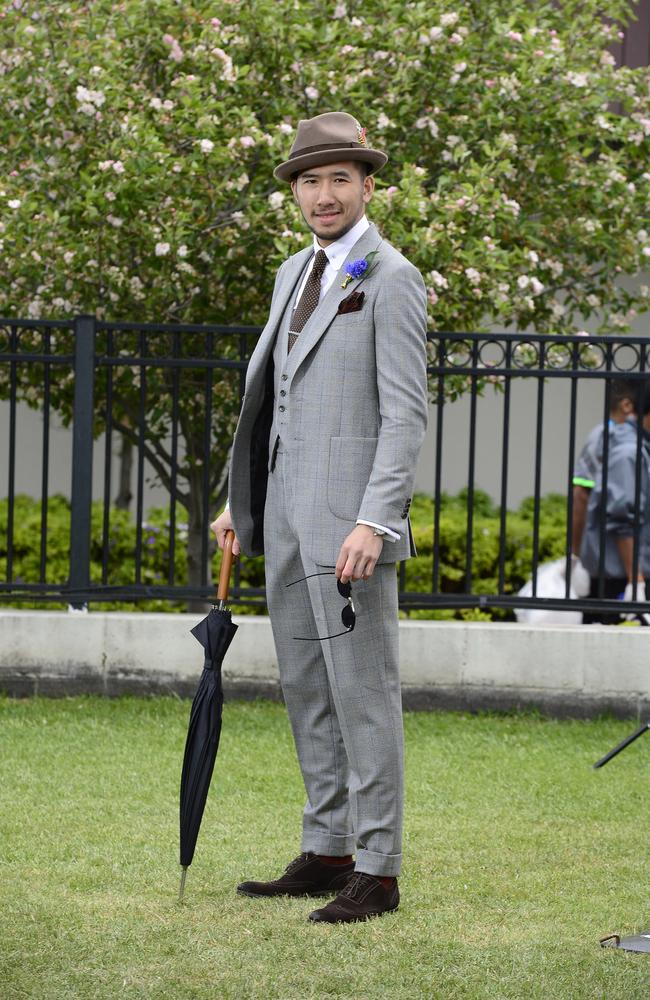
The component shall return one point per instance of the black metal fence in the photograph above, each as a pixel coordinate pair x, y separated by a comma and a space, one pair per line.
173, 393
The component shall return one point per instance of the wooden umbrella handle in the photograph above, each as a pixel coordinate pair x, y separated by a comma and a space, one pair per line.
226, 566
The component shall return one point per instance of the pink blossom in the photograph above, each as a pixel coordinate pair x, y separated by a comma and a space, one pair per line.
391, 191
490, 83
515, 36
176, 52
247, 141
539, 52
215, 22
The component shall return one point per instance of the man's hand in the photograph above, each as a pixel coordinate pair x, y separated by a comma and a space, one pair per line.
359, 554
223, 524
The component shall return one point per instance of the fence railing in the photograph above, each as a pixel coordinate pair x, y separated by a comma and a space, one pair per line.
173, 394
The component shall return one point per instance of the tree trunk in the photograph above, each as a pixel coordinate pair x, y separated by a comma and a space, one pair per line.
196, 530
124, 495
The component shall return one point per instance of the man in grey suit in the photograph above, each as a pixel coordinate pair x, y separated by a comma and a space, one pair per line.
322, 469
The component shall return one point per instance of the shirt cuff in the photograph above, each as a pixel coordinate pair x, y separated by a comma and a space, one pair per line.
391, 536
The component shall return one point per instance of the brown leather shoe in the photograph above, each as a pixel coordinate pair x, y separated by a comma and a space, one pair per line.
306, 876
364, 896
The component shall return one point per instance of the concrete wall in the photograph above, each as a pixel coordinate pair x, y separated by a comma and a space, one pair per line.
561, 670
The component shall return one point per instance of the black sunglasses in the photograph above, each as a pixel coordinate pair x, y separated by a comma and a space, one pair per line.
348, 615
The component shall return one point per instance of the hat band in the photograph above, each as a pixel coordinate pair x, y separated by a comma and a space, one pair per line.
307, 150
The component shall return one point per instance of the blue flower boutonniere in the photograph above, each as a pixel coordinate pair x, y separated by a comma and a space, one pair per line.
357, 268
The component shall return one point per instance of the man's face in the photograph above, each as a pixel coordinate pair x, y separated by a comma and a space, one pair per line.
333, 198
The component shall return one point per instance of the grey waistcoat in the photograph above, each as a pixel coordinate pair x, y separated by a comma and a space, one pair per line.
280, 352
279, 425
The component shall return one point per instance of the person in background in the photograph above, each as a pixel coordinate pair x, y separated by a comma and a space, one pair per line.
590, 458
615, 502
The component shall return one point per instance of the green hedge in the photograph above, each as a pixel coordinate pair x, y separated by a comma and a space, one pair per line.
453, 531
485, 547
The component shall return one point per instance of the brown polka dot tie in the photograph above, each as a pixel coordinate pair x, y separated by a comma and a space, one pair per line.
309, 298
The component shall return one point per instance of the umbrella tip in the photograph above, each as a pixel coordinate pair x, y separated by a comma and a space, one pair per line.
182, 889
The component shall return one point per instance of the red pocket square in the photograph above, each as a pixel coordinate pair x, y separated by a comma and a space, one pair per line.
352, 303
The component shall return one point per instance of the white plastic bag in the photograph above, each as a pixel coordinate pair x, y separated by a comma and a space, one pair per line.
551, 582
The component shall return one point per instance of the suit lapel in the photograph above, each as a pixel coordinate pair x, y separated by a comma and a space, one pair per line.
287, 288
327, 308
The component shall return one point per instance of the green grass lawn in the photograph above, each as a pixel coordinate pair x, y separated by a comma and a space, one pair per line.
518, 857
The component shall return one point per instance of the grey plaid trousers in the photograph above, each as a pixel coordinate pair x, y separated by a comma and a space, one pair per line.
342, 695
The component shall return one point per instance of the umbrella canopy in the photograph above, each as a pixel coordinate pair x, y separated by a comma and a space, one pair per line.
215, 633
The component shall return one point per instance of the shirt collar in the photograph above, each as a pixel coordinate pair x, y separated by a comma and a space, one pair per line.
338, 251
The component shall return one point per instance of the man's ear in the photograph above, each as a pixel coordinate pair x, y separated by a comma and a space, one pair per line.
368, 188
294, 185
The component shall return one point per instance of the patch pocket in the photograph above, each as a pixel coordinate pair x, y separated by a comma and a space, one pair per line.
350, 466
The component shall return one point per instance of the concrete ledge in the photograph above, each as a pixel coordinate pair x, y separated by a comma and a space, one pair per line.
560, 670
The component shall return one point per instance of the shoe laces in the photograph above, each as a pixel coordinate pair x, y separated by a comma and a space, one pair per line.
358, 882
296, 863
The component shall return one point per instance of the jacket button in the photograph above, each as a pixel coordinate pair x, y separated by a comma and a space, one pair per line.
284, 378
281, 409
283, 392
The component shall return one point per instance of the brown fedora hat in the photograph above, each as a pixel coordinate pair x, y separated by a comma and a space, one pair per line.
328, 138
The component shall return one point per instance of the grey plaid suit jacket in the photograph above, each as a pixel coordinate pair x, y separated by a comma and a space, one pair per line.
356, 403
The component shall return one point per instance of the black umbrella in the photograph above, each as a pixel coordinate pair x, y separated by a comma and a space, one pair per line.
215, 633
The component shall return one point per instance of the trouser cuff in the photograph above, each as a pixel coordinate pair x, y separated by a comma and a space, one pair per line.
378, 864
330, 845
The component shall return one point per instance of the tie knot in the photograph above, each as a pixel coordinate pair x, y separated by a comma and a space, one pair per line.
320, 263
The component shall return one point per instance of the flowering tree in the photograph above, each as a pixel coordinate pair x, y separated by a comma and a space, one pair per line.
138, 141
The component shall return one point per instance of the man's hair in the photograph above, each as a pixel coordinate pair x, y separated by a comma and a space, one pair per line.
636, 390
643, 388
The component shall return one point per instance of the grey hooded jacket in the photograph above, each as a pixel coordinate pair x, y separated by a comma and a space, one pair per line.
619, 509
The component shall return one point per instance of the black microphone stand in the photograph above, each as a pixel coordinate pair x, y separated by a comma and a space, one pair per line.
624, 743
637, 942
